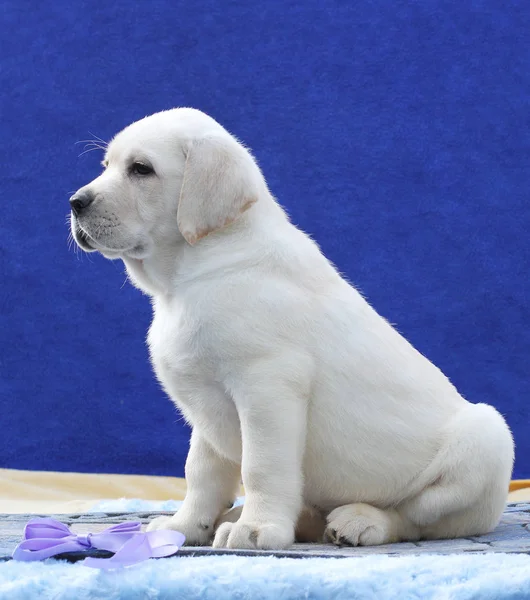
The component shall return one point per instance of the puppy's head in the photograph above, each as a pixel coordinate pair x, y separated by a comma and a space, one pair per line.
173, 176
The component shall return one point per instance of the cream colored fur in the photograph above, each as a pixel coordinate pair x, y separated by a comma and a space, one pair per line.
288, 377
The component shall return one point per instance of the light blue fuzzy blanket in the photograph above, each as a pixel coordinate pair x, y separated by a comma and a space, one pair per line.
424, 577
490, 576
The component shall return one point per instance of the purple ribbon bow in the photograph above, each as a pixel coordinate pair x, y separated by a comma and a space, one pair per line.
44, 538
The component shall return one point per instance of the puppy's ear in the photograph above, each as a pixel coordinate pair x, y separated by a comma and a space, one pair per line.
221, 181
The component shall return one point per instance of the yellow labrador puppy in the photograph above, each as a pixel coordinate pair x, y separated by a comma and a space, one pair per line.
286, 374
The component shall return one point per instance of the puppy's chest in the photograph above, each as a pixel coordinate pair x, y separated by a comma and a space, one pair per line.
178, 353
186, 370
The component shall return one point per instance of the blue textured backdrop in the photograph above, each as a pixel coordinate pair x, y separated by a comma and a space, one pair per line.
395, 132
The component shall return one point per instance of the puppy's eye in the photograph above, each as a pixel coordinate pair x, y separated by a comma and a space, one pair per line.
139, 168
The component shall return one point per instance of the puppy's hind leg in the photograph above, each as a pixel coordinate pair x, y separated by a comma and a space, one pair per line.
470, 477
469, 480
365, 525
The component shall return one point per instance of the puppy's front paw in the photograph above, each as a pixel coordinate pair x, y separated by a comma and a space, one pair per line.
197, 534
360, 525
254, 535
159, 523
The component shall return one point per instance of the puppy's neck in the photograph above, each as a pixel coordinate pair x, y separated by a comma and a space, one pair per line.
174, 264
138, 276
154, 275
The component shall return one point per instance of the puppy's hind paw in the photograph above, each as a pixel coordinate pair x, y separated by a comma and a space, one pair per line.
361, 525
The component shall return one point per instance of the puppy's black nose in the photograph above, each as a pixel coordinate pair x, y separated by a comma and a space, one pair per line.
80, 201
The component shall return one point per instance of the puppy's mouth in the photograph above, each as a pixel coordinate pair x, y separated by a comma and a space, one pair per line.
82, 239
89, 244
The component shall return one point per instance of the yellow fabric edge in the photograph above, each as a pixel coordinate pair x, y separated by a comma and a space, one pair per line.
52, 492
49, 491
519, 484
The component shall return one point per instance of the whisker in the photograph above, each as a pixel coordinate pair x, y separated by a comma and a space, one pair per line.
86, 142
70, 239
89, 150
94, 146
94, 140
99, 139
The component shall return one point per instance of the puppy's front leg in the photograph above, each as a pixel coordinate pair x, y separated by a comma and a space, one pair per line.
273, 427
212, 485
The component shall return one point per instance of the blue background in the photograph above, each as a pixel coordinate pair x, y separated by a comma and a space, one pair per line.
395, 132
